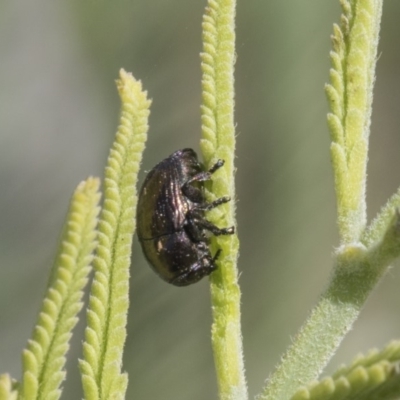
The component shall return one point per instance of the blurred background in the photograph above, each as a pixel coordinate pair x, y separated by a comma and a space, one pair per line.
58, 115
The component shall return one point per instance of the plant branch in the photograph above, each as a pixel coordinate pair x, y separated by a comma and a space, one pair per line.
358, 268
109, 298
44, 357
218, 142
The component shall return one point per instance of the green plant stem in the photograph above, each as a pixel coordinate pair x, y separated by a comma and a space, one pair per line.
358, 266
357, 272
218, 141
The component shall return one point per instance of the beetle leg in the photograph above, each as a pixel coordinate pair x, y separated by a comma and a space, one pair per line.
205, 176
193, 229
203, 267
197, 224
215, 258
193, 193
215, 203
207, 225
216, 166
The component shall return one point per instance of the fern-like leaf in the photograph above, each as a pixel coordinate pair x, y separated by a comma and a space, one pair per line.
109, 298
44, 357
218, 141
8, 388
379, 226
373, 377
357, 268
349, 93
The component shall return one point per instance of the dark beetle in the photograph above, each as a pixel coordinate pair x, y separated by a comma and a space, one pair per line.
170, 219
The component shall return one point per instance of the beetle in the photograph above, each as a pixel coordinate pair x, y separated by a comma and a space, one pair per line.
171, 225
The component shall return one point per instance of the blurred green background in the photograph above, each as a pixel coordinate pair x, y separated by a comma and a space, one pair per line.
58, 115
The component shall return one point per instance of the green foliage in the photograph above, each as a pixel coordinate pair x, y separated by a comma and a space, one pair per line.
44, 358
365, 252
353, 58
374, 377
380, 225
8, 388
218, 141
109, 297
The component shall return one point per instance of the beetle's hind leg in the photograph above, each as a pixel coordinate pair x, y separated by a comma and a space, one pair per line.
208, 226
197, 224
203, 267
